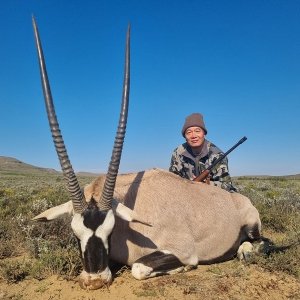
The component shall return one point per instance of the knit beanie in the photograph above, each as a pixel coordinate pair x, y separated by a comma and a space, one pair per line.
194, 119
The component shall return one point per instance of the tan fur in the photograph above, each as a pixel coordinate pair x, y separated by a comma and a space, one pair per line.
194, 221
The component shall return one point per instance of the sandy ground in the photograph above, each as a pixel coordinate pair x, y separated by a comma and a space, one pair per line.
230, 280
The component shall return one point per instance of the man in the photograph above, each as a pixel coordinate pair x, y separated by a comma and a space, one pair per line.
194, 156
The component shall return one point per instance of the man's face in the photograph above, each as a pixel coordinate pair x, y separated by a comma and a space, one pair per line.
195, 136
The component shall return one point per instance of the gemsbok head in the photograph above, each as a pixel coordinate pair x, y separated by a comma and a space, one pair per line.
92, 221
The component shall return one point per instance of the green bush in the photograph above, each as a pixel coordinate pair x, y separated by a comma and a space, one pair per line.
61, 261
52, 248
13, 271
283, 261
278, 202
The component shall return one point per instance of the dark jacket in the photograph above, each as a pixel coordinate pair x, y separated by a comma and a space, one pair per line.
185, 164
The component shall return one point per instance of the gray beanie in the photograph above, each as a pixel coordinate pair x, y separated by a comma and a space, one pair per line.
194, 119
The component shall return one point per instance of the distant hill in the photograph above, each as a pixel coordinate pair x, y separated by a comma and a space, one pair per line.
88, 174
10, 165
295, 176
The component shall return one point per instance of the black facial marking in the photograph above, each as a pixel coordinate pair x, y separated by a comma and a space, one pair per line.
95, 255
92, 216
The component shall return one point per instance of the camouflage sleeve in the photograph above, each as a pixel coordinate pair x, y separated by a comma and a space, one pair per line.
175, 165
220, 174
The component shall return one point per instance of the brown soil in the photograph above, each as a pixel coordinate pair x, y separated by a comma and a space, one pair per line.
230, 280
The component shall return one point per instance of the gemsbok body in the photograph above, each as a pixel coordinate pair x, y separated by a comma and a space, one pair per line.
153, 221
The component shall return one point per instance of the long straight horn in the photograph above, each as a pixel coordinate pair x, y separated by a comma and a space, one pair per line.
79, 203
110, 181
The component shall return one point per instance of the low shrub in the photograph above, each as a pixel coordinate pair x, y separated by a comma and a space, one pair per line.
278, 202
15, 270
52, 248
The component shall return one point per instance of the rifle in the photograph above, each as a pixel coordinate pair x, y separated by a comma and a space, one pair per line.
207, 171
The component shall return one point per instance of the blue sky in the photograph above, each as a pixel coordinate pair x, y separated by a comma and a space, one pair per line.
237, 62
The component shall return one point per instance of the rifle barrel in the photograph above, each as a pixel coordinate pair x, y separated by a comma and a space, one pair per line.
242, 140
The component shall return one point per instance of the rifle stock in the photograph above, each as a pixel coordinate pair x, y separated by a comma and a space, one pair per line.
202, 176
206, 172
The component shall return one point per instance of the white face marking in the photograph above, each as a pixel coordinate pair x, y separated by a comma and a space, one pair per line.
106, 275
92, 279
104, 230
81, 231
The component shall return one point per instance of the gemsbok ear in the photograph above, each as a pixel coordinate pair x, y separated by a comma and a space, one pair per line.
127, 214
55, 212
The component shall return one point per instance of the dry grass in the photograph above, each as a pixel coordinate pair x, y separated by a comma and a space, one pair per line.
51, 248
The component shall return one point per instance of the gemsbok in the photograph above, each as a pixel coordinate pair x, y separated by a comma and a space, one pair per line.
153, 221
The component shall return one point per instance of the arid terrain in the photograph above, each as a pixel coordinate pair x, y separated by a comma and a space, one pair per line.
41, 261
230, 280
